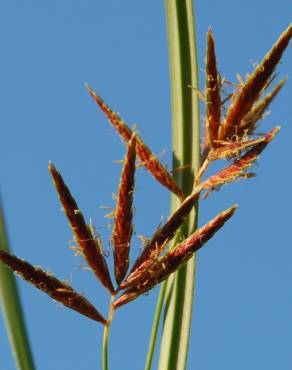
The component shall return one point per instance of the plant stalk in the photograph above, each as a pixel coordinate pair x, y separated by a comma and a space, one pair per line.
106, 334
156, 320
179, 292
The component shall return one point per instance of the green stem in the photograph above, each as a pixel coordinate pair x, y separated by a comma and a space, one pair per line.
178, 296
12, 311
106, 334
153, 337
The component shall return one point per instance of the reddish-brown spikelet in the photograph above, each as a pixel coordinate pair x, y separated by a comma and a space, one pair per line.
89, 245
147, 158
154, 166
123, 227
56, 289
145, 267
248, 123
212, 92
233, 149
122, 128
160, 239
245, 97
237, 169
175, 258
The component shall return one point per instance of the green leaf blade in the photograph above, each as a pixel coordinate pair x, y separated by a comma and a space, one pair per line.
12, 311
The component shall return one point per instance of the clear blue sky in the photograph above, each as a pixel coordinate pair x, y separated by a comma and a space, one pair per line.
243, 303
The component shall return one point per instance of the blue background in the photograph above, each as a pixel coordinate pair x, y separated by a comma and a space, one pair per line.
243, 303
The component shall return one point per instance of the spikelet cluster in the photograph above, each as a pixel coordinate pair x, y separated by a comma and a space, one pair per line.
226, 137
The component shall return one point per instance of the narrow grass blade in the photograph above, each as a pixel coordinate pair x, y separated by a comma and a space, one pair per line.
12, 311
186, 151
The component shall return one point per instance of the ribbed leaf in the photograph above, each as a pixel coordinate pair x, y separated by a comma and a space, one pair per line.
11, 306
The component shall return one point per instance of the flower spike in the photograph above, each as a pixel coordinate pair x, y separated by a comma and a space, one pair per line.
212, 92
244, 98
175, 258
160, 239
249, 122
233, 149
147, 158
123, 227
237, 169
89, 245
56, 289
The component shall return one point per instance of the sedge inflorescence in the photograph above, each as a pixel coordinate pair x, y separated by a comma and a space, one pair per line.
229, 136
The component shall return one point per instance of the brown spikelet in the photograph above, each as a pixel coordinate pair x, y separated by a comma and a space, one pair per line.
237, 169
205, 143
212, 92
248, 123
121, 126
143, 268
175, 258
123, 227
154, 166
56, 289
246, 96
147, 158
160, 238
89, 245
233, 149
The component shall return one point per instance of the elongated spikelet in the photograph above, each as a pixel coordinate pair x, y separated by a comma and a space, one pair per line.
237, 169
248, 123
121, 126
160, 238
89, 245
123, 227
143, 268
175, 258
147, 158
212, 92
233, 149
56, 289
246, 96
158, 171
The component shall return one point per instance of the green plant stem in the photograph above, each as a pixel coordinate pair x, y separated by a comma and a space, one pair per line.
11, 306
178, 296
106, 334
153, 336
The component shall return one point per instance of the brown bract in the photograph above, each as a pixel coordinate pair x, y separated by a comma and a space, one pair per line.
146, 156
123, 226
175, 258
58, 290
89, 245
